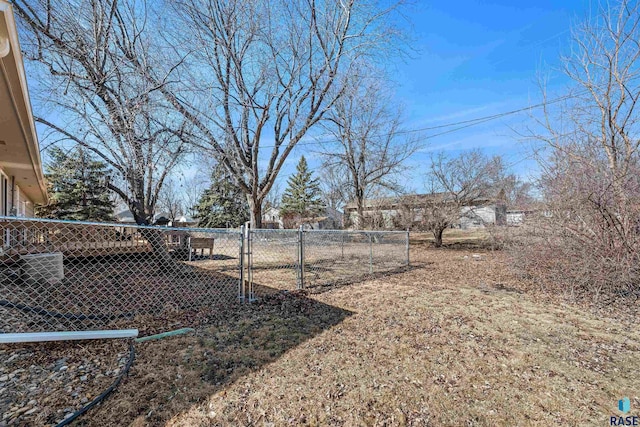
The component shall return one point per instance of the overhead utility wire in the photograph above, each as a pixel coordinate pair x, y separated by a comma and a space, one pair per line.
460, 124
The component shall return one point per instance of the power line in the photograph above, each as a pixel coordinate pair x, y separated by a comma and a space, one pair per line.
459, 124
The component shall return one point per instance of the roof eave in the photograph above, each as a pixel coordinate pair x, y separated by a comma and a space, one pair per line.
10, 48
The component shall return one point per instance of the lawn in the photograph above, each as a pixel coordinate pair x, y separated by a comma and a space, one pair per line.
458, 340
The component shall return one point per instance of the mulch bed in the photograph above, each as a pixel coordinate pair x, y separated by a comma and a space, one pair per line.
46, 382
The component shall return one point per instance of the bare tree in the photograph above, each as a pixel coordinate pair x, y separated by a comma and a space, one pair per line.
370, 148
458, 186
89, 55
192, 190
333, 185
516, 191
590, 181
271, 71
171, 199
274, 198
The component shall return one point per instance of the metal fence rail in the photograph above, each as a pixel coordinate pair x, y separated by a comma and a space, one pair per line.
73, 276
67, 275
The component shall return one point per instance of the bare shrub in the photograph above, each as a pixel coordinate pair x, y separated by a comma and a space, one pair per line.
585, 238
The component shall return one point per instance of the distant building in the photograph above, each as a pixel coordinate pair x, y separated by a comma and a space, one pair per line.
479, 216
125, 216
271, 218
388, 209
330, 219
516, 217
184, 221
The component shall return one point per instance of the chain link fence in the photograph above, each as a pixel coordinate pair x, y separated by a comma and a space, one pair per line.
77, 276
273, 257
68, 275
307, 259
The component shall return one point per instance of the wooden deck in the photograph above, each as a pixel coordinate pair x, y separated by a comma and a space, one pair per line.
73, 240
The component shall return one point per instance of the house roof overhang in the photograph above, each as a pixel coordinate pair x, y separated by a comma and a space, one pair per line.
19, 148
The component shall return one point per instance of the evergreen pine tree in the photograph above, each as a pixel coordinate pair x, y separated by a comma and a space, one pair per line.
77, 187
303, 197
223, 204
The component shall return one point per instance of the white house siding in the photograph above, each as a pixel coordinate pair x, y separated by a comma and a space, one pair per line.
21, 178
477, 217
271, 218
515, 218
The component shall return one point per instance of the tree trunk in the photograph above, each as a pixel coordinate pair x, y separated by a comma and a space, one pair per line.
360, 210
438, 235
255, 211
156, 238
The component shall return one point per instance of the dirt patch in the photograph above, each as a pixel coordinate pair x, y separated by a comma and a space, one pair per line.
40, 384
116, 291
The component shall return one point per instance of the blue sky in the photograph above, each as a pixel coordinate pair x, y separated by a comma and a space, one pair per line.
477, 58
471, 59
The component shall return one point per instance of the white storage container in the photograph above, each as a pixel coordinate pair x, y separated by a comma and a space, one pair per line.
45, 266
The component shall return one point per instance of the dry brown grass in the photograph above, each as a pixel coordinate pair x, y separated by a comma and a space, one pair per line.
453, 237
455, 341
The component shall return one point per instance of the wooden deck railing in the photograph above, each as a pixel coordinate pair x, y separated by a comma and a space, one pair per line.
23, 236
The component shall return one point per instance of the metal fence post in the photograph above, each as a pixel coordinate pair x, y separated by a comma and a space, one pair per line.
407, 247
370, 253
250, 294
241, 265
300, 258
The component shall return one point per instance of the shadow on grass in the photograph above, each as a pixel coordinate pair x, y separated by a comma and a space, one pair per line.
171, 375
478, 245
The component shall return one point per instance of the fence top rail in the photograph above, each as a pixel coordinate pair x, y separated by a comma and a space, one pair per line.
356, 231
274, 230
296, 230
118, 225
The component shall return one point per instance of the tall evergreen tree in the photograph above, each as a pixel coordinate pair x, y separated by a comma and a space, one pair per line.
223, 204
303, 197
78, 190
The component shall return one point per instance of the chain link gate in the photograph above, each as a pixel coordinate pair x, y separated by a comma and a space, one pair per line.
302, 258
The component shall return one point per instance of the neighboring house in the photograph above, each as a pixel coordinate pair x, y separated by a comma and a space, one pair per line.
330, 219
480, 216
271, 218
387, 209
125, 217
22, 183
333, 220
184, 221
162, 218
516, 217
